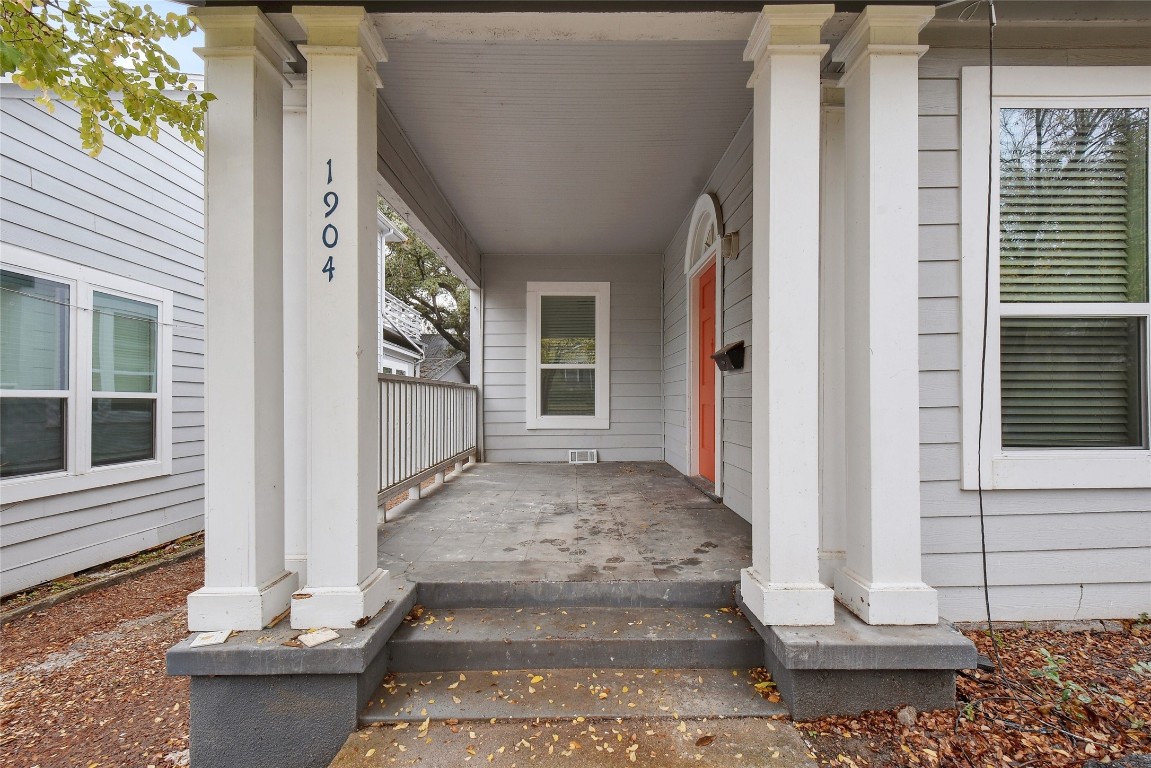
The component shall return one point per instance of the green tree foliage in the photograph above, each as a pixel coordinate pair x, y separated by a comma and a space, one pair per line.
108, 62
417, 277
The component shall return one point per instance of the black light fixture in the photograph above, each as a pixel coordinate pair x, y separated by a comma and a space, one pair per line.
729, 357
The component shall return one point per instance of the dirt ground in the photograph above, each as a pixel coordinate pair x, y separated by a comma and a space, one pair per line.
83, 683
1064, 699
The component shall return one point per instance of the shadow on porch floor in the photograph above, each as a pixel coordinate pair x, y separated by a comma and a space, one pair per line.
558, 522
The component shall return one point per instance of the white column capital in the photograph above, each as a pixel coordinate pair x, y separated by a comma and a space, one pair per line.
787, 30
241, 30
336, 27
885, 30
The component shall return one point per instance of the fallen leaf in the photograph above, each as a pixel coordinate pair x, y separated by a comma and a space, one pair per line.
705, 740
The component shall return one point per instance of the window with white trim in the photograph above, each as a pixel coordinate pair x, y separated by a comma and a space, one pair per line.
1066, 394
85, 377
567, 356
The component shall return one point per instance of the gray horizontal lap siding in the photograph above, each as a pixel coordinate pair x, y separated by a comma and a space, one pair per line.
136, 211
1057, 554
636, 429
730, 182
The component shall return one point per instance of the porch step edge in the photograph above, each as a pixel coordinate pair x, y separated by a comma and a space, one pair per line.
575, 637
567, 693
590, 594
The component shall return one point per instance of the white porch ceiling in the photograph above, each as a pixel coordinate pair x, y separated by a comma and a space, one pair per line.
568, 147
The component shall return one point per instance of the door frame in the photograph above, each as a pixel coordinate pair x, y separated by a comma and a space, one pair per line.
696, 260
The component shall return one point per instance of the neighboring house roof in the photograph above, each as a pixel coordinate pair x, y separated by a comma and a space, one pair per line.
440, 358
396, 338
389, 230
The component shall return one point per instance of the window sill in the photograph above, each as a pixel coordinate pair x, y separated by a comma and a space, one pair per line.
40, 486
568, 422
1052, 470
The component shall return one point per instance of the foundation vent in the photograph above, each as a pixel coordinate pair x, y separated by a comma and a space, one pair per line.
583, 457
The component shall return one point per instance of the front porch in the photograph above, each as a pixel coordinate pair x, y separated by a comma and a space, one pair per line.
554, 168
577, 572
635, 523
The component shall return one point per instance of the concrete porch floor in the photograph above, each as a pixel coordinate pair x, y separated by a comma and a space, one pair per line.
626, 521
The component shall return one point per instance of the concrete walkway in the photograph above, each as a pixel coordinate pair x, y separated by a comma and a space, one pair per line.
580, 743
559, 522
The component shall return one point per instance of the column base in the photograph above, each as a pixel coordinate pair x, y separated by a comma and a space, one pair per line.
211, 609
887, 603
298, 564
340, 607
787, 603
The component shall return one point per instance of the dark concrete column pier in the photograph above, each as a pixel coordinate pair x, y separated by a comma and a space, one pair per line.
851, 667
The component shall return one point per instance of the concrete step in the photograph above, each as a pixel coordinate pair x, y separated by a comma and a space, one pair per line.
575, 638
567, 693
582, 743
620, 592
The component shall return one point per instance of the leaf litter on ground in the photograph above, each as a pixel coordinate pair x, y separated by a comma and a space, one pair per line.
1063, 699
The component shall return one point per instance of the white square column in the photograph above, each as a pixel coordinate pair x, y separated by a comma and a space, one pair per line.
245, 582
782, 587
344, 582
296, 326
882, 580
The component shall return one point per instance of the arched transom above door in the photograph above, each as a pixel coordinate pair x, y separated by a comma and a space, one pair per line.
705, 232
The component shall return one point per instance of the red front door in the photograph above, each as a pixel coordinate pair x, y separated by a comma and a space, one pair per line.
706, 375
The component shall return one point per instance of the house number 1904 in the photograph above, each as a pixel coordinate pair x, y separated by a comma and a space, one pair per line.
329, 236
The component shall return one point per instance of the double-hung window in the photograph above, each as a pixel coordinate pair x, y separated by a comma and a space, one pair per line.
567, 355
1065, 399
85, 384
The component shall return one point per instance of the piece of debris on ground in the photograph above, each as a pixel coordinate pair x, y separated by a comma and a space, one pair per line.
1064, 699
82, 683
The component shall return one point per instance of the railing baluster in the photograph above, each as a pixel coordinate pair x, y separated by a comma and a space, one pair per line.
425, 427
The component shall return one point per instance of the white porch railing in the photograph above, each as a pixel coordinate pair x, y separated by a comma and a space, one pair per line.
425, 427
403, 318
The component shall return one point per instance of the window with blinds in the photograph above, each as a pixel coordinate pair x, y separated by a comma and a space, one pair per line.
85, 377
1073, 284
567, 368
567, 355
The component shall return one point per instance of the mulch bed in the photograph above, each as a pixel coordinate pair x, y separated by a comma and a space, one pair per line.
1064, 699
83, 682
93, 577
